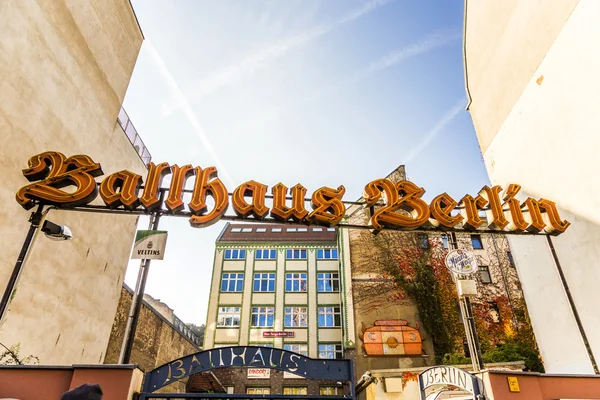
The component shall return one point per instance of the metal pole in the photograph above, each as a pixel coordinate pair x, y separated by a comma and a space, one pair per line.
138, 297
36, 220
565, 285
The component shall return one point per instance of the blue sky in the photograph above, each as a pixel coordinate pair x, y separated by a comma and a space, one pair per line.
323, 93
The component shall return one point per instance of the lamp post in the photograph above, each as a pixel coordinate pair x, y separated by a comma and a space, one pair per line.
52, 231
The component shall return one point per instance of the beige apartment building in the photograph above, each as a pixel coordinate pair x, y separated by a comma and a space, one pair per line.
65, 67
281, 286
532, 82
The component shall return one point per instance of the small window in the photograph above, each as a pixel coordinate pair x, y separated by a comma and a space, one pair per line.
295, 282
258, 390
319, 229
264, 282
235, 254
328, 282
262, 316
295, 390
330, 229
331, 391
327, 254
295, 254
423, 240
290, 229
246, 230
445, 241
275, 229
232, 282
261, 229
484, 272
297, 348
236, 229
302, 229
330, 351
296, 317
265, 254
329, 317
476, 242
511, 261
228, 316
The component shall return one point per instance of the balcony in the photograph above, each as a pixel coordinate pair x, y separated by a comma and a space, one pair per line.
134, 138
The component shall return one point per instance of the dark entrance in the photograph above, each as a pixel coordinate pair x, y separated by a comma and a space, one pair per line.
247, 356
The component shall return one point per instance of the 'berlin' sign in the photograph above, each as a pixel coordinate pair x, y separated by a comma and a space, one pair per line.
395, 205
448, 376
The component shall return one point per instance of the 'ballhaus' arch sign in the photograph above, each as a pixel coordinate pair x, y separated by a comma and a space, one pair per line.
396, 206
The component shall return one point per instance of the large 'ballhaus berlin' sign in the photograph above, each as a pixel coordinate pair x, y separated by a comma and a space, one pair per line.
393, 205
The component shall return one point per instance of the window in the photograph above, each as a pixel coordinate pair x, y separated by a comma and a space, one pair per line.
296, 317
297, 348
228, 316
445, 241
290, 229
484, 272
246, 230
263, 316
295, 390
269, 345
302, 229
330, 229
236, 229
258, 390
261, 229
266, 254
295, 254
317, 229
235, 254
494, 312
328, 282
423, 240
510, 258
329, 317
275, 229
476, 242
330, 351
295, 282
264, 282
327, 254
330, 391
232, 282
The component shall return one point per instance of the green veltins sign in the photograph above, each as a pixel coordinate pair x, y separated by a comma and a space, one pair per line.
149, 245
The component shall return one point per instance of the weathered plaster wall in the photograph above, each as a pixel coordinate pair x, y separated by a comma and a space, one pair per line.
546, 139
65, 66
156, 341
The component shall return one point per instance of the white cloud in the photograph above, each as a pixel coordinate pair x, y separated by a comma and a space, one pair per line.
249, 65
187, 110
437, 128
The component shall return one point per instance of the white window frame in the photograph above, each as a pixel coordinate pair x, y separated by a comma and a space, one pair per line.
327, 254
297, 279
296, 254
330, 351
234, 254
332, 316
262, 313
328, 280
226, 314
271, 254
230, 277
485, 268
298, 317
261, 277
297, 348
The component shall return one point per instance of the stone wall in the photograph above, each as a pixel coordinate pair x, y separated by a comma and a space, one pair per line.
156, 342
65, 66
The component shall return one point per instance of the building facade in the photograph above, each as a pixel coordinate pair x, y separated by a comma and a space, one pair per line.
280, 286
65, 67
532, 86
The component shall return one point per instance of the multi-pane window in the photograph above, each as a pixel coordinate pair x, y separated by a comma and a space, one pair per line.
328, 282
331, 391
484, 272
422, 240
296, 317
264, 282
265, 254
297, 348
232, 282
258, 390
445, 241
295, 254
263, 316
476, 242
330, 351
295, 282
327, 254
329, 317
235, 254
295, 390
228, 316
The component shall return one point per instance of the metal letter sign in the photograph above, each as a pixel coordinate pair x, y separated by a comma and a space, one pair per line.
449, 376
149, 245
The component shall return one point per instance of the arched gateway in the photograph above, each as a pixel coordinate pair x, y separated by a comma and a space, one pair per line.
246, 356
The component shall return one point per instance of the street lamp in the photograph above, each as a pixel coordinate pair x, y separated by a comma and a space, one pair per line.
52, 231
